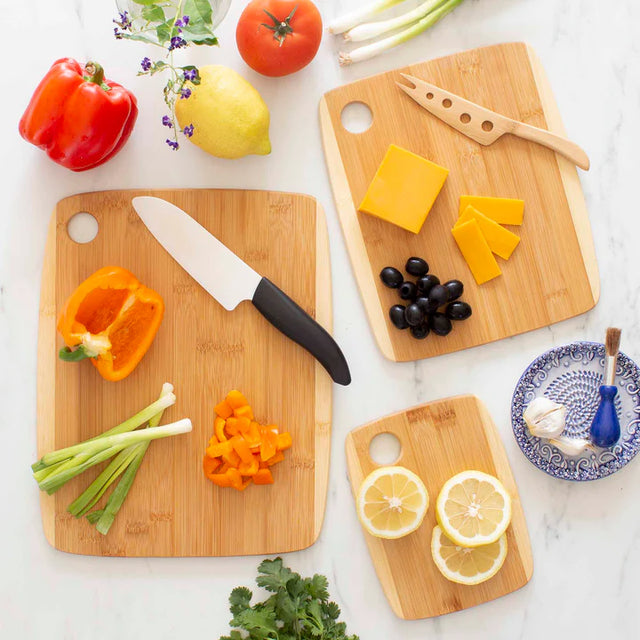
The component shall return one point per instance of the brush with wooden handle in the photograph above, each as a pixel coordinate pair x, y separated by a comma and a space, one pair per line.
605, 428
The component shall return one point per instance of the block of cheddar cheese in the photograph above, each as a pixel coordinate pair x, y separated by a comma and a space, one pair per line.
500, 210
476, 252
404, 189
500, 240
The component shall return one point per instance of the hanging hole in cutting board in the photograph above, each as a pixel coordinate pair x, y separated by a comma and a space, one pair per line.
356, 117
465, 118
487, 125
82, 227
385, 449
446, 103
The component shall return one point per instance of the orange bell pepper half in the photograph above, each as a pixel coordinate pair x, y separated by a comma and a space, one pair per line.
112, 319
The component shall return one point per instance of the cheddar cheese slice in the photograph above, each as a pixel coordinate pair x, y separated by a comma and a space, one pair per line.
500, 210
476, 251
404, 189
500, 240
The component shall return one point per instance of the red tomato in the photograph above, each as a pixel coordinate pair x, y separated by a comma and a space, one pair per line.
279, 37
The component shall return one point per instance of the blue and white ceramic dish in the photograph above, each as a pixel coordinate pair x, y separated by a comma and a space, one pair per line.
572, 375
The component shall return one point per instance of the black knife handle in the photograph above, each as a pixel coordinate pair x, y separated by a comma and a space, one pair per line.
286, 316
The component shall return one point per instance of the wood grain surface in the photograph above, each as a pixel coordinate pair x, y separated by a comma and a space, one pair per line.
438, 440
172, 509
551, 276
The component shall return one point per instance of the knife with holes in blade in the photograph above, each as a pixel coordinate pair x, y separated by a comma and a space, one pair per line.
230, 280
482, 124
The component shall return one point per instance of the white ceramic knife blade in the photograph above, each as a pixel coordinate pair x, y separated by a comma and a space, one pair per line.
209, 262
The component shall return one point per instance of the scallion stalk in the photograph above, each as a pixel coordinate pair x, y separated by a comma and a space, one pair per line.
370, 30
353, 18
376, 48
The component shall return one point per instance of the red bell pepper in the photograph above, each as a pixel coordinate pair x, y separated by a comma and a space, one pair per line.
77, 116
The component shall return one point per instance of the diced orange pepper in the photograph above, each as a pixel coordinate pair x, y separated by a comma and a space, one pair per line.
218, 428
235, 399
279, 457
241, 447
223, 409
231, 426
224, 468
235, 478
243, 412
212, 440
220, 479
249, 469
268, 445
253, 435
232, 458
220, 449
209, 465
283, 441
243, 425
263, 476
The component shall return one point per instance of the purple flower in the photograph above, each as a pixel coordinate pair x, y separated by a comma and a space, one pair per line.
145, 64
166, 121
177, 42
188, 130
182, 22
117, 33
190, 74
172, 144
185, 93
123, 21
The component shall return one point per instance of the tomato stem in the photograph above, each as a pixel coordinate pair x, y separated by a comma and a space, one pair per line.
281, 28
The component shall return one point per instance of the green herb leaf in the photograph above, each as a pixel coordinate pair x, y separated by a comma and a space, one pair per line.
240, 599
163, 31
145, 2
153, 13
274, 575
198, 11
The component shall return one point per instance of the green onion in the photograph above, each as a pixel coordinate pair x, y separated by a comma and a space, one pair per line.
127, 462
349, 20
370, 30
374, 49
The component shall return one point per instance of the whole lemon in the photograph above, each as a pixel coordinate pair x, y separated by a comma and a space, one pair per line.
229, 117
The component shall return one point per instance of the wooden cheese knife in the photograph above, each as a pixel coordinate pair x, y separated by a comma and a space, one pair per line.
483, 125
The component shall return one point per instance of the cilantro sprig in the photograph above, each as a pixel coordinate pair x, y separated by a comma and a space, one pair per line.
170, 25
298, 609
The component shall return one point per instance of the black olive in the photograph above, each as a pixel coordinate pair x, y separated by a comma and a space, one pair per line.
438, 294
425, 283
414, 315
391, 277
458, 310
454, 289
396, 313
408, 290
420, 332
428, 306
440, 324
416, 266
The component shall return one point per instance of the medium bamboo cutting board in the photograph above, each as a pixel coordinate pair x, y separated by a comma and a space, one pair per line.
439, 440
551, 276
205, 351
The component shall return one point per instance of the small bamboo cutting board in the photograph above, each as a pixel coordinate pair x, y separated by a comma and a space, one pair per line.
553, 273
439, 440
205, 351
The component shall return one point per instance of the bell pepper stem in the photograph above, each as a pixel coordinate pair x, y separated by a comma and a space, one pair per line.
75, 355
95, 71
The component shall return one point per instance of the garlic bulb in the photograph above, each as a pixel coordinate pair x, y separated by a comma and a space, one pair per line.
571, 446
545, 418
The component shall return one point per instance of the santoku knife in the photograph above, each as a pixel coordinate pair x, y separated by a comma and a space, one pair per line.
230, 280
482, 124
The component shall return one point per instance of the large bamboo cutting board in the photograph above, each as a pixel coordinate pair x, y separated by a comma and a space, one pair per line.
205, 351
553, 273
438, 440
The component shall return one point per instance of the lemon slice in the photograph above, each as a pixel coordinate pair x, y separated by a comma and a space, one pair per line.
392, 502
467, 565
473, 508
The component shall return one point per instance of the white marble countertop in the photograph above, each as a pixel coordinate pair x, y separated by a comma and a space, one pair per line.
585, 537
